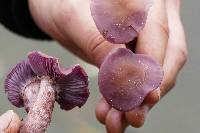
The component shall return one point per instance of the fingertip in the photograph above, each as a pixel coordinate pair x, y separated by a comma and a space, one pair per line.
10, 122
115, 122
102, 110
15, 124
153, 97
136, 117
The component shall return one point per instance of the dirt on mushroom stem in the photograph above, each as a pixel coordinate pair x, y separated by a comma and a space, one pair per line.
39, 97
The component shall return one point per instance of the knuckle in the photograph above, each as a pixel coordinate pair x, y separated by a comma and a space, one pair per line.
94, 46
160, 26
93, 42
97, 47
183, 55
161, 22
163, 26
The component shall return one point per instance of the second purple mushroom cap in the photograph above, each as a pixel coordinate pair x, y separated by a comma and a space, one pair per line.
126, 78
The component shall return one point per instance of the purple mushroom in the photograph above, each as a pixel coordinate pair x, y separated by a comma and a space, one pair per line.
39, 81
126, 78
119, 21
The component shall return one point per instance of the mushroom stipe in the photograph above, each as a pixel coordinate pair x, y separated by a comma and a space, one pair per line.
37, 82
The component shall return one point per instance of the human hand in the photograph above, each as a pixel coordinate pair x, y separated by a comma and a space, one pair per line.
9, 122
70, 23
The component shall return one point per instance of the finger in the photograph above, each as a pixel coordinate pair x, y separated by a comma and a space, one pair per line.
176, 55
102, 110
115, 122
176, 52
9, 122
138, 116
153, 39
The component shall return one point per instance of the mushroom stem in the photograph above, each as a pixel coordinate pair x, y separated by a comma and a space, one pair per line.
30, 93
40, 112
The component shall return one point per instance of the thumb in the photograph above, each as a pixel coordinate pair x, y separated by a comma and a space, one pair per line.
99, 49
9, 122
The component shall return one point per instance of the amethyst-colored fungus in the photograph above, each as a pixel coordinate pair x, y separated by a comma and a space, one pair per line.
37, 82
119, 21
126, 78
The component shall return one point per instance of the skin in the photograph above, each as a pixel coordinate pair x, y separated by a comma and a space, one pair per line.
162, 38
9, 122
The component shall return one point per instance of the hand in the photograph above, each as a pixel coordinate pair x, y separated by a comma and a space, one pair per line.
70, 23
9, 122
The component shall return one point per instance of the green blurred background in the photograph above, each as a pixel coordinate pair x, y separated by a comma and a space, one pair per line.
178, 112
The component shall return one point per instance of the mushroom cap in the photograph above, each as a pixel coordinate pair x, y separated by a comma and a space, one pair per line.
75, 91
16, 80
119, 21
71, 85
43, 65
126, 78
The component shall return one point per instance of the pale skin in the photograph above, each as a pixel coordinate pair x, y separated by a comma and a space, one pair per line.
163, 38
